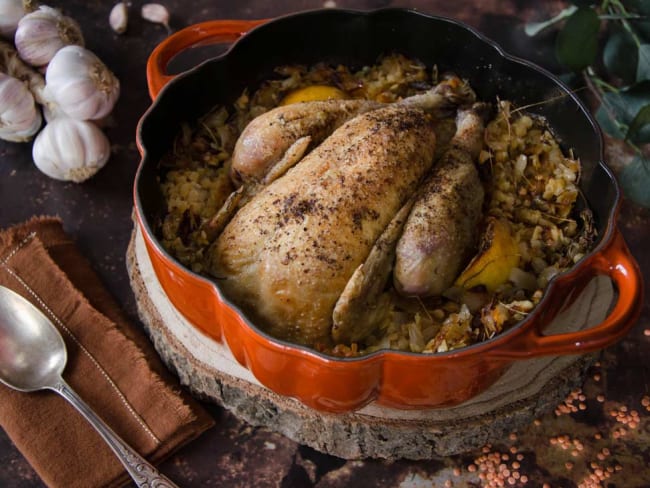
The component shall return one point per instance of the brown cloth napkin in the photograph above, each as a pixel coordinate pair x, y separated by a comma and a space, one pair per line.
111, 365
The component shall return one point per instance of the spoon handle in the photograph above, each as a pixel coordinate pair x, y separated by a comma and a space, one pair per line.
142, 472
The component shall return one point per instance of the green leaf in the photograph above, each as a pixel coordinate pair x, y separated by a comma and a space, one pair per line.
628, 101
608, 124
642, 28
577, 43
635, 181
623, 106
636, 132
641, 7
638, 6
643, 66
620, 56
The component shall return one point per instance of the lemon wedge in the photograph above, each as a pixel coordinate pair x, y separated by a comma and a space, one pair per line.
313, 93
499, 253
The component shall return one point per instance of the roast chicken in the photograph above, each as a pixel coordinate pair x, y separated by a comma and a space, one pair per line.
288, 254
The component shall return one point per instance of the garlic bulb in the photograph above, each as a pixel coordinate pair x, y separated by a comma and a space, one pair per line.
11, 11
80, 84
19, 117
70, 150
43, 32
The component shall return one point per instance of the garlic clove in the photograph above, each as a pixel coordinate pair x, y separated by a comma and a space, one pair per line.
42, 33
11, 11
155, 13
80, 84
11, 64
70, 150
119, 17
20, 119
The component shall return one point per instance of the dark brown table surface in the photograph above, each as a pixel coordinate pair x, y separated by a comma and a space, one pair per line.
98, 216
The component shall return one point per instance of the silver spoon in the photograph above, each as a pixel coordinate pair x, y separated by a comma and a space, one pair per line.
33, 356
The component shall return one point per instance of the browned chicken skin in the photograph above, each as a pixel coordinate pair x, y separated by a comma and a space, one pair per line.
363, 305
288, 253
287, 132
442, 228
276, 140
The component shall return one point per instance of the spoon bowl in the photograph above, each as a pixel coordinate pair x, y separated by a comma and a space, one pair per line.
33, 356
21, 330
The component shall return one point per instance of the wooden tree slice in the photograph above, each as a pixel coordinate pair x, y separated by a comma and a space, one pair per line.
527, 390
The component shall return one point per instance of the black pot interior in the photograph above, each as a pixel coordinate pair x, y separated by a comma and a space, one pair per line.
357, 39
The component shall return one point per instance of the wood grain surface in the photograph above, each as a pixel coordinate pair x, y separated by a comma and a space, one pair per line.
528, 390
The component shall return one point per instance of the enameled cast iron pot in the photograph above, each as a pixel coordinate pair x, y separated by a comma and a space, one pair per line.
394, 379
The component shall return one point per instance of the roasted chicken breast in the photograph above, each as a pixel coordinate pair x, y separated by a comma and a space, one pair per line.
289, 252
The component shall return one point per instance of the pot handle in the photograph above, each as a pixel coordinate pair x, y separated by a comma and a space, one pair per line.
614, 261
204, 33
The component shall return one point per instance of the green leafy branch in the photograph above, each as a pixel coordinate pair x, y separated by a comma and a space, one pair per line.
608, 44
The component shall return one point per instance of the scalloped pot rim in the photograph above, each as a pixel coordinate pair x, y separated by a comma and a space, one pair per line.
395, 379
